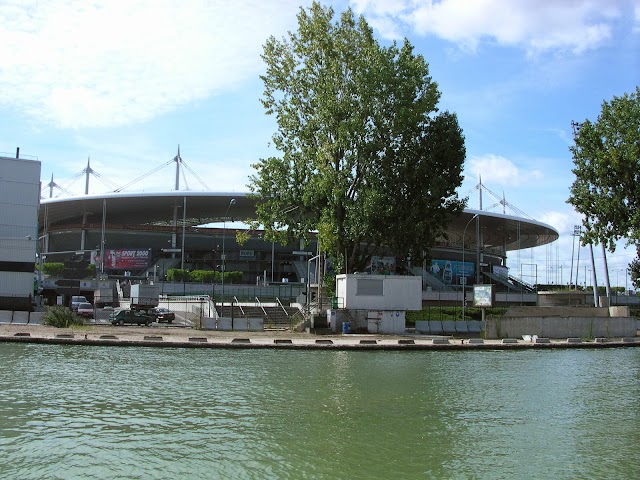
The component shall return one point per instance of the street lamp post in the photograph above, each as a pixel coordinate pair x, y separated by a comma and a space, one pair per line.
224, 231
464, 277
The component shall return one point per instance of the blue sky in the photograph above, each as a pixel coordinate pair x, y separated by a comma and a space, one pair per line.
126, 82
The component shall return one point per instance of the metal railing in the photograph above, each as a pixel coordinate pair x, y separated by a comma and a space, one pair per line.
235, 299
282, 307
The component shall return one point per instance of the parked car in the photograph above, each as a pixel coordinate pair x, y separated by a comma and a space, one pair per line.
132, 317
163, 315
85, 310
77, 300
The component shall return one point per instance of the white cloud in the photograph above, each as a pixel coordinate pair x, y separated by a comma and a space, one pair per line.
573, 25
562, 221
499, 170
92, 64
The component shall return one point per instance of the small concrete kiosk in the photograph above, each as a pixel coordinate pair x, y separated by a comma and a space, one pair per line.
374, 303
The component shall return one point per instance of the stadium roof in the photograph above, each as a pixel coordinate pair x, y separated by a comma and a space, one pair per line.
499, 230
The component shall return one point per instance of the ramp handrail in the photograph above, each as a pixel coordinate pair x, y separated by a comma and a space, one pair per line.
261, 307
239, 306
282, 307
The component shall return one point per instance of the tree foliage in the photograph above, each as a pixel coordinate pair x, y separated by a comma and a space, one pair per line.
365, 161
606, 155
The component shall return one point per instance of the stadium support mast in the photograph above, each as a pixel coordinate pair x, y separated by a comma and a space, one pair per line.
178, 160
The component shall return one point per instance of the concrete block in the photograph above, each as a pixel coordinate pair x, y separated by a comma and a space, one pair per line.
629, 340
241, 340
600, 340
21, 318
474, 326
509, 340
255, 324
574, 340
35, 318
440, 341
208, 323
448, 327
224, 323
198, 339
620, 311
422, 326
542, 340
475, 341
240, 324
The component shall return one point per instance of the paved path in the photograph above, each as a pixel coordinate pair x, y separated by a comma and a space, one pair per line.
169, 336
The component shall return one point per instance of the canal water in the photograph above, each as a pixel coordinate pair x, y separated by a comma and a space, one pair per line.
70, 412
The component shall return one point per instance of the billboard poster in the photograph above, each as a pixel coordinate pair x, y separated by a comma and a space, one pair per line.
123, 258
483, 296
452, 272
383, 265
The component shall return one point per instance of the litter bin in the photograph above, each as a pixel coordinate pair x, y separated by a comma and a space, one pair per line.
334, 302
346, 327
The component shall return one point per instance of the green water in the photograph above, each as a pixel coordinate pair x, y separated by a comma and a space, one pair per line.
118, 412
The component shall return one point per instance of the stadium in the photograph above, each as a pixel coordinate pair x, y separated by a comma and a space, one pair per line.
142, 236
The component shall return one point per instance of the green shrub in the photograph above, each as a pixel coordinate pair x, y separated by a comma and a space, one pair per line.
233, 277
54, 269
204, 276
61, 317
177, 275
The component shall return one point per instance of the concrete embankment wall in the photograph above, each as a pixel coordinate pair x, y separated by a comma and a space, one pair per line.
561, 327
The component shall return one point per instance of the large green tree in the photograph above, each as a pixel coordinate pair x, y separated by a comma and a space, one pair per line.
606, 155
365, 161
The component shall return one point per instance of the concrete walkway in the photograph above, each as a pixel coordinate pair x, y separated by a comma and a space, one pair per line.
164, 336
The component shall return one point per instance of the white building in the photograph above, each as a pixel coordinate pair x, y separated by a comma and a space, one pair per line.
19, 204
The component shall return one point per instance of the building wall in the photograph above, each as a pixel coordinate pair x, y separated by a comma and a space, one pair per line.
561, 327
19, 202
379, 292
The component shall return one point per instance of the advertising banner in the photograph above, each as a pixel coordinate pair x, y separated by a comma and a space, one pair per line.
383, 265
452, 272
123, 259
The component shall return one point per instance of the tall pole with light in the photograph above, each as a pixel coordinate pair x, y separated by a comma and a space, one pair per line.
464, 277
224, 231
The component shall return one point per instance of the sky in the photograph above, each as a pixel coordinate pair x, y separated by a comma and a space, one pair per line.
122, 84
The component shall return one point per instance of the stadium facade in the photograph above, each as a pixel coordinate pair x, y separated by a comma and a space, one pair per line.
142, 235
